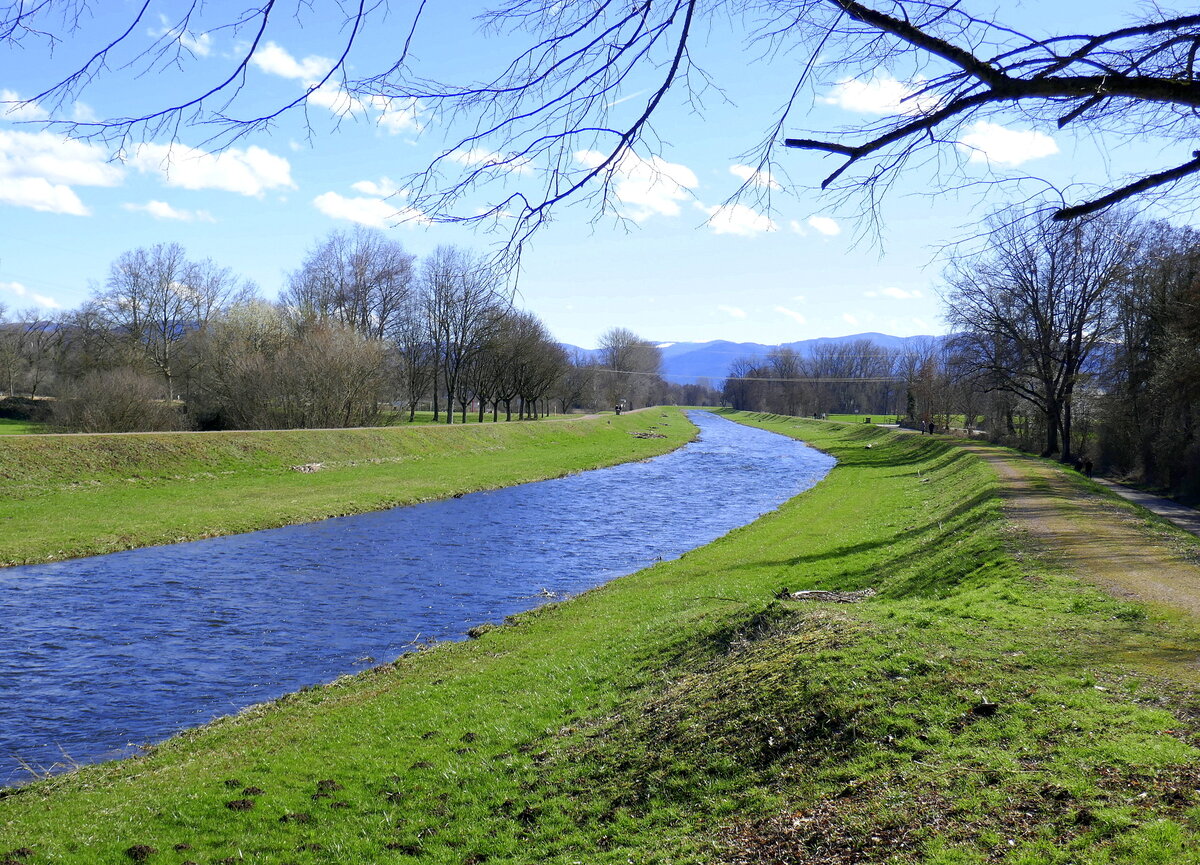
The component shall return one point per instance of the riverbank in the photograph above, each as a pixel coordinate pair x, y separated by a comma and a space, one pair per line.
68, 496
974, 710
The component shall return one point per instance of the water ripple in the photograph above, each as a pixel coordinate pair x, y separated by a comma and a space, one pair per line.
99, 653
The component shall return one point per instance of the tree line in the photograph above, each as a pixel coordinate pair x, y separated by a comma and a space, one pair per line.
363, 333
1076, 340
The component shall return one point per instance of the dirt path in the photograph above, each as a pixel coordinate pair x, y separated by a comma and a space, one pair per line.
1097, 539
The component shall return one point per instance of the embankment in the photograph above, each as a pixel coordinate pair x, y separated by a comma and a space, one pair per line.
68, 496
970, 712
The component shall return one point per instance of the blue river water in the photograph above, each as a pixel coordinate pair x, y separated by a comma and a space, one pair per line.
99, 655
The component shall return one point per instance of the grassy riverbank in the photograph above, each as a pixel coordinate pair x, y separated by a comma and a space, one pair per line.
970, 712
66, 496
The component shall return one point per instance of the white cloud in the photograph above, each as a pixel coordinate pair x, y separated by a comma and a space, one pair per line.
732, 311
850, 319
894, 292
39, 194
479, 157
24, 293
374, 212
879, 95
56, 159
199, 44
645, 187
394, 115
792, 314
162, 210
758, 178
825, 225
11, 111
336, 100
383, 188
38, 169
252, 171
275, 60
81, 112
991, 142
397, 115
737, 219
797, 227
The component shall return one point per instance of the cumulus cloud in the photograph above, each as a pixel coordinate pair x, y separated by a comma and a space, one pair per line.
382, 188
162, 210
792, 314
991, 142
398, 115
370, 211
732, 311
824, 225
38, 169
394, 115
754, 176
645, 187
199, 44
336, 100
251, 171
895, 293
11, 108
850, 319
879, 95
27, 295
737, 219
274, 59
38, 193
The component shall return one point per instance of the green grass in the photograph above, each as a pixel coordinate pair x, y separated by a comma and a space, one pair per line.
64, 496
11, 427
863, 418
684, 714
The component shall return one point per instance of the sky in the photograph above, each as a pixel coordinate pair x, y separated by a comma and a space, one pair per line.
675, 261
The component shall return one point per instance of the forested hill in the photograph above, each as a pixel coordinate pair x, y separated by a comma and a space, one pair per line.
685, 362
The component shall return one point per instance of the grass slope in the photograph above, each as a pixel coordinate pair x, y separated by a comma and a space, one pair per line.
65, 496
968, 713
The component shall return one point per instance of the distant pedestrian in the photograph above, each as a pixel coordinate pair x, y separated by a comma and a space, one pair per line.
1087, 467
923, 429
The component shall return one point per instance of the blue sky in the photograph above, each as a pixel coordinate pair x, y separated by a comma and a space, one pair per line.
681, 266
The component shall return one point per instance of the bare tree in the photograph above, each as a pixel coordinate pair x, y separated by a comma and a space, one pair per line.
417, 359
362, 280
632, 367
154, 298
1031, 311
592, 78
461, 293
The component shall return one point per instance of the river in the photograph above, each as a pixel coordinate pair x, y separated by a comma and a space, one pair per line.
100, 654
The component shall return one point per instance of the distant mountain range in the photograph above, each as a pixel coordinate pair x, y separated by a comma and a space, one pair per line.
685, 362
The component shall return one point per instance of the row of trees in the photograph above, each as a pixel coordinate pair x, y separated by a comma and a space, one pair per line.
1070, 339
1090, 330
361, 329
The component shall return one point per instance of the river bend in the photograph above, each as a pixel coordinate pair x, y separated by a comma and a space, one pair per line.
100, 654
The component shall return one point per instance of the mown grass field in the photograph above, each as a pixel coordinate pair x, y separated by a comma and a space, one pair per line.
971, 712
65, 496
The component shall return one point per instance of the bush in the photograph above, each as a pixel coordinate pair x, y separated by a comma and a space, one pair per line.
116, 400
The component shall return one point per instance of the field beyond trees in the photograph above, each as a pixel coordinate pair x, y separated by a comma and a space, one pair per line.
974, 710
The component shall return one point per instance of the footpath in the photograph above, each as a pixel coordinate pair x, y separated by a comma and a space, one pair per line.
1098, 539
